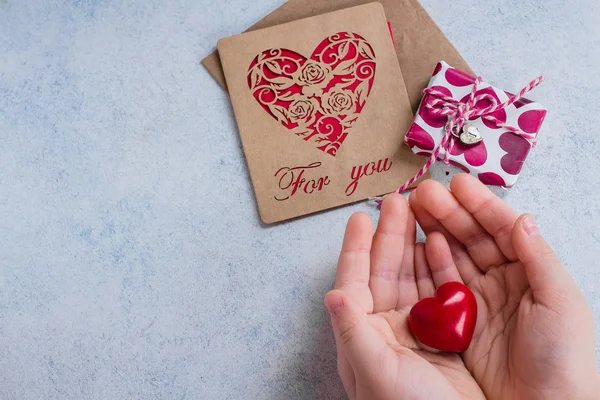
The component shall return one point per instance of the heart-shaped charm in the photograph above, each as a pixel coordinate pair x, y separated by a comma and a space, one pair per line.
470, 135
447, 320
319, 98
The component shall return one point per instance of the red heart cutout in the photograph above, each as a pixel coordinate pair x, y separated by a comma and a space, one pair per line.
320, 98
446, 321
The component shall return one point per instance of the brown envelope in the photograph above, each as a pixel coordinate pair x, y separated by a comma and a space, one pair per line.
419, 42
322, 109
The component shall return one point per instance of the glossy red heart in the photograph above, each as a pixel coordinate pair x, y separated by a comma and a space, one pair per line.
447, 320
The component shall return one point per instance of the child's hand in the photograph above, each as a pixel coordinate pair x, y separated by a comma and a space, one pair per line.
378, 280
534, 334
534, 337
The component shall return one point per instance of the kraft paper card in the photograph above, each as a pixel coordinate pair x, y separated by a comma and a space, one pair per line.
322, 110
419, 42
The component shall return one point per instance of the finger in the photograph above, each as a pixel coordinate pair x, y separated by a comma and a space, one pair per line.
444, 207
387, 252
352, 274
494, 215
345, 371
442, 266
408, 293
344, 368
466, 267
423, 273
548, 278
359, 341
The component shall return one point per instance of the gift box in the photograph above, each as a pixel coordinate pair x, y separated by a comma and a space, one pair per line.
483, 130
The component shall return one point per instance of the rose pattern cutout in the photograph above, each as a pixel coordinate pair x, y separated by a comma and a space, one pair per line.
314, 73
498, 159
320, 98
337, 101
303, 111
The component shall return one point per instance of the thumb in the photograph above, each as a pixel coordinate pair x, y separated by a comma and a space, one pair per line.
546, 274
353, 334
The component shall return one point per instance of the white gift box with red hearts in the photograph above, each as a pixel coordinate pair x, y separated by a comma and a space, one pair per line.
498, 158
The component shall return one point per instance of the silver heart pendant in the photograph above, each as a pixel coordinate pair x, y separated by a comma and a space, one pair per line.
470, 135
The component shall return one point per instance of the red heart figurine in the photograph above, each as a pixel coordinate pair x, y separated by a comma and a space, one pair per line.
447, 320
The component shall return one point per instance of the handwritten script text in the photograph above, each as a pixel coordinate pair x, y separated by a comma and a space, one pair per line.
367, 169
296, 179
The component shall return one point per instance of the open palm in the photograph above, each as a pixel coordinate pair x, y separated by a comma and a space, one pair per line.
525, 345
525, 299
379, 278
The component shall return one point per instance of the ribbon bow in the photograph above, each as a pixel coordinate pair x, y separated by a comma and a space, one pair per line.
459, 113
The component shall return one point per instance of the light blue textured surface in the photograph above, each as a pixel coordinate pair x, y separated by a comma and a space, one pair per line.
132, 260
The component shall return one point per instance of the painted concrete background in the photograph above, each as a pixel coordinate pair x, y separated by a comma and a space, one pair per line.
132, 261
